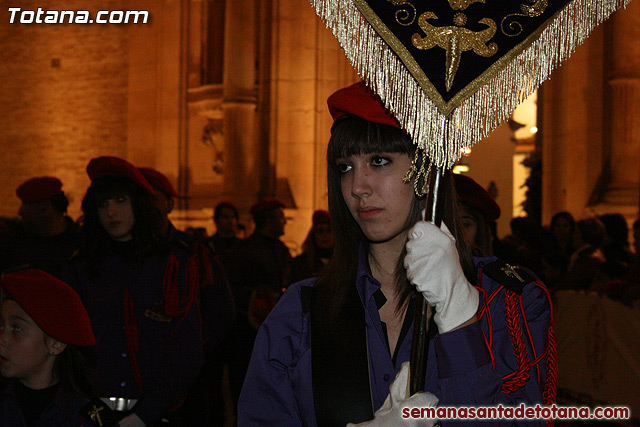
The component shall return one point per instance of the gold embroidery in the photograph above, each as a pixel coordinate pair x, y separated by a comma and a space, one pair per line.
455, 40
157, 313
460, 19
511, 271
462, 4
530, 11
392, 72
94, 414
403, 16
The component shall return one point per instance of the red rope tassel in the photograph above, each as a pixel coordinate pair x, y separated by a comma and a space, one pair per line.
174, 306
512, 317
549, 393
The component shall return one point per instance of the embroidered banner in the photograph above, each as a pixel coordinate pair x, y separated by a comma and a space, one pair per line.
452, 47
451, 71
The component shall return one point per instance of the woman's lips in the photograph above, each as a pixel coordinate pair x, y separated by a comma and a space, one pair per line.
368, 213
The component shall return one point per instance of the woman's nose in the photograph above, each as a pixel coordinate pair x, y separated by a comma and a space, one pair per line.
361, 186
110, 208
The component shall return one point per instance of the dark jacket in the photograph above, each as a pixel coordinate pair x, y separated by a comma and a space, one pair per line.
63, 411
145, 316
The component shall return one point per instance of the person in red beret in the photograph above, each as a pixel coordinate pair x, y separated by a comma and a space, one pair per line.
46, 344
141, 291
316, 249
329, 351
47, 237
164, 193
479, 212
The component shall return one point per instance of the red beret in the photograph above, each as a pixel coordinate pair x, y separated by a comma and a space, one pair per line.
472, 193
39, 189
360, 101
158, 180
266, 205
115, 166
321, 217
52, 304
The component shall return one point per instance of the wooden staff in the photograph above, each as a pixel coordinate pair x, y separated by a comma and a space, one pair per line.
423, 313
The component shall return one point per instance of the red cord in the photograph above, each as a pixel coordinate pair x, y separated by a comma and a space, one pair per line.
529, 335
512, 317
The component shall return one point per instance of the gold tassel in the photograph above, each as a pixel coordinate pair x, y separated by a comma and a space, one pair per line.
482, 111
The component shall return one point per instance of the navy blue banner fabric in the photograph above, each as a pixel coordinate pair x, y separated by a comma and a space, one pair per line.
456, 45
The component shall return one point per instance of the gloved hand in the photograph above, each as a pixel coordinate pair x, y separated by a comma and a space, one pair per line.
390, 413
433, 266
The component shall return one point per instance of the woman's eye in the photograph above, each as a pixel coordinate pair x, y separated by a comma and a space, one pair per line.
121, 199
344, 168
379, 161
102, 204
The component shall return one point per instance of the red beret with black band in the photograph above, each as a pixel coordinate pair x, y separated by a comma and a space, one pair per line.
52, 304
114, 166
158, 180
472, 193
360, 101
39, 189
321, 217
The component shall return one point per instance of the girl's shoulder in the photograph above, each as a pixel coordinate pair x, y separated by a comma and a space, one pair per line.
494, 273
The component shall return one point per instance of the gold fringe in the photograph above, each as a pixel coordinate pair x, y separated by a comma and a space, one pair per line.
486, 108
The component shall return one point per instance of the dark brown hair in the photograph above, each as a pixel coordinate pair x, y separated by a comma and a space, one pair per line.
147, 234
352, 135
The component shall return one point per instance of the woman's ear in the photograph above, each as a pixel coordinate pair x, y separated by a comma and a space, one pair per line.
55, 347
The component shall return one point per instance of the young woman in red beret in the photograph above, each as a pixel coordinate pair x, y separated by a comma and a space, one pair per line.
141, 293
328, 353
46, 347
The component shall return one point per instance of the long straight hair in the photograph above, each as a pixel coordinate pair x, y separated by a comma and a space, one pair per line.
146, 232
351, 135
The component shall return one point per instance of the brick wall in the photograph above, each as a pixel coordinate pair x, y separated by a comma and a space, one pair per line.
63, 99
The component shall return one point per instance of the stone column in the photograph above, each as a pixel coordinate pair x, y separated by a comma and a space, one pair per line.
571, 126
623, 97
245, 164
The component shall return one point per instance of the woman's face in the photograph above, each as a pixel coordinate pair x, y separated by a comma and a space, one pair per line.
323, 236
562, 230
375, 193
24, 353
116, 216
469, 226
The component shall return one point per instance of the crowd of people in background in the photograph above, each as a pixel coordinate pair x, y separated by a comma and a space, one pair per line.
162, 312
168, 311
592, 253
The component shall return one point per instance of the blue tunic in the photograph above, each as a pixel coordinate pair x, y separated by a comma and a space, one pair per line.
170, 352
278, 389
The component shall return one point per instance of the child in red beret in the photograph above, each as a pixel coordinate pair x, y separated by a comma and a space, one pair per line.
45, 344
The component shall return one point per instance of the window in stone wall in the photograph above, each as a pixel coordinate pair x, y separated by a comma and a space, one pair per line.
213, 42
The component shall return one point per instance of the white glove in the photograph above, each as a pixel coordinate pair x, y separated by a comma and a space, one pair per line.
390, 413
131, 421
433, 266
